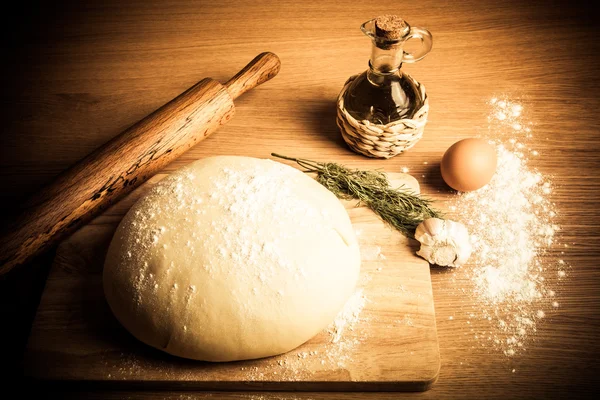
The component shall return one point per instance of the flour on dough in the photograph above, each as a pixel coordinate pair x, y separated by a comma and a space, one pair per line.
231, 258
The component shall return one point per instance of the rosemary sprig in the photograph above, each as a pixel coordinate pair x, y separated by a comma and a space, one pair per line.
401, 208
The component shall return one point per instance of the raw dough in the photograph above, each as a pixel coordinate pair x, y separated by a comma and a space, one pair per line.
231, 258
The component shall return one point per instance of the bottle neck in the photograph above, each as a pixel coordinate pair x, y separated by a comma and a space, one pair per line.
386, 59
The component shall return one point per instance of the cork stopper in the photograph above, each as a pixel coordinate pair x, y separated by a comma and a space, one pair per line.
390, 27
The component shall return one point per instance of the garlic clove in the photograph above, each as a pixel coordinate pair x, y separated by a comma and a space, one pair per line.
425, 252
443, 242
430, 231
462, 257
444, 255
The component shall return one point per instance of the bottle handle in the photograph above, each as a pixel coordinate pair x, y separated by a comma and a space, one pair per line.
426, 42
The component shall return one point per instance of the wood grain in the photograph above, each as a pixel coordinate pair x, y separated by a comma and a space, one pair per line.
78, 74
75, 337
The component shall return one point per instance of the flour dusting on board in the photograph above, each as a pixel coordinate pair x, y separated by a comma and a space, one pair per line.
512, 225
348, 317
334, 350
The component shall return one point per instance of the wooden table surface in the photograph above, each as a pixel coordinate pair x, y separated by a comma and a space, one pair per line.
77, 74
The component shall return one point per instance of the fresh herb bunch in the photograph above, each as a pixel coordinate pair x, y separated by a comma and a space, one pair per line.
401, 208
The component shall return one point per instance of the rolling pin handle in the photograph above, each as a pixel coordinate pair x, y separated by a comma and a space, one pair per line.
262, 68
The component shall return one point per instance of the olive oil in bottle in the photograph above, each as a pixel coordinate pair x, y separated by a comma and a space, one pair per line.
383, 94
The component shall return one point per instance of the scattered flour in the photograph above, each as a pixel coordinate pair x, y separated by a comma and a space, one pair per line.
511, 222
332, 349
348, 317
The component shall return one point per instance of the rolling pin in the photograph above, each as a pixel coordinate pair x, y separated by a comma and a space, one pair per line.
125, 162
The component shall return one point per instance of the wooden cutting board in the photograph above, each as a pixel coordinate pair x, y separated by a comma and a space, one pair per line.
391, 344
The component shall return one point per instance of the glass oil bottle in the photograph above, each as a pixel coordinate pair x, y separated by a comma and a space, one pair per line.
382, 111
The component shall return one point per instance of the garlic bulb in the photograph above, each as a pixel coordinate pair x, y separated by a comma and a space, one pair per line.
443, 242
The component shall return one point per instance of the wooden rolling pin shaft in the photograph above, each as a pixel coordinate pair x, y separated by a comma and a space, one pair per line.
125, 162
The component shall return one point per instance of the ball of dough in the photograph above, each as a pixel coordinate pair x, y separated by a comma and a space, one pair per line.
231, 258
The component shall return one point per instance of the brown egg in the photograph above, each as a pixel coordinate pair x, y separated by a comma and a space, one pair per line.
469, 164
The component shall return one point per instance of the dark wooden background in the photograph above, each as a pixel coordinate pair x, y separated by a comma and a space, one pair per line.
77, 73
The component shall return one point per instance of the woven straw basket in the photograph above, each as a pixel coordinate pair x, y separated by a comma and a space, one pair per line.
381, 141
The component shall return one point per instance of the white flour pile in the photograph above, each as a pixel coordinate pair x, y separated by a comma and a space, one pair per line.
511, 222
